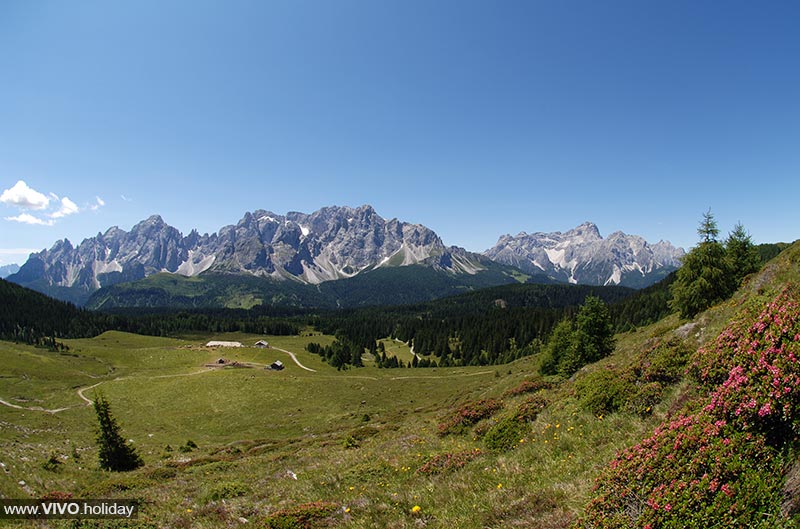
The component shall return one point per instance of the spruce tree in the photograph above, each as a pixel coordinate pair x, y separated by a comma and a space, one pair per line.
595, 332
115, 454
705, 277
742, 254
560, 346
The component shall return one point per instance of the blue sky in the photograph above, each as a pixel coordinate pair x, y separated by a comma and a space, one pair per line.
475, 118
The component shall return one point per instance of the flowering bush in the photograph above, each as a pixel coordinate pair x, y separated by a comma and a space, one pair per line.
529, 385
530, 408
469, 414
753, 368
722, 463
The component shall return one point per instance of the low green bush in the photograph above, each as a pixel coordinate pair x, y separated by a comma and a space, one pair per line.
226, 490
506, 434
604, 391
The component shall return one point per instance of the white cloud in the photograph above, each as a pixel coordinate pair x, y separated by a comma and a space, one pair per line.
68, 207
97, 205
126, 199
50, 205
26, 218
24, 197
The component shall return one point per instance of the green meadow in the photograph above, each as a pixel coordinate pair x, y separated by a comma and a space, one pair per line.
353, 448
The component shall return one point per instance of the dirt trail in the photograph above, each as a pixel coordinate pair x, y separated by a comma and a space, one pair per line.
33, 408
296, 361
454, 375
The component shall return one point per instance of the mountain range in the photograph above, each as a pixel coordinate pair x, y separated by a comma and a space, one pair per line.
583, 256
332, 249
7, 270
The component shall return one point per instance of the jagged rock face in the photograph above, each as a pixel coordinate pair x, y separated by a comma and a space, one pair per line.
331, 243
582, 255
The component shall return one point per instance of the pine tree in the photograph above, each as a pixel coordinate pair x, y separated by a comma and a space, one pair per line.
705, 277
741, 253
561, 345
115, 454
708, 230
594, 330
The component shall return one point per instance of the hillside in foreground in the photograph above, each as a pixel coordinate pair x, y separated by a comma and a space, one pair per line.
464, 447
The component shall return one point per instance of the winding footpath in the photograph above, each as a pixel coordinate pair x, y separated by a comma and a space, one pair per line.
296, 361
34, 408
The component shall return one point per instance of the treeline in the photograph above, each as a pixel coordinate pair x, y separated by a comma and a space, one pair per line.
713, 270
492, 326
29, 317
340, 354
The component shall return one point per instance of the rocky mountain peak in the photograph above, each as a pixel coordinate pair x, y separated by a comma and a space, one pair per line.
581, 255
587, 231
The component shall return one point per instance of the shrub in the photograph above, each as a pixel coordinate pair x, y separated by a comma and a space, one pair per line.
305, 516
690, 473
364, 432
350, 442
469, 414
646, 397
506, 434
531, 408
53, 464
604, 391
666, 363
161, 473
529, 385
225, 490
721, 464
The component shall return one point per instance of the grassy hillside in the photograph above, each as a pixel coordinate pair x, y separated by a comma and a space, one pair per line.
364, 442
451, 447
